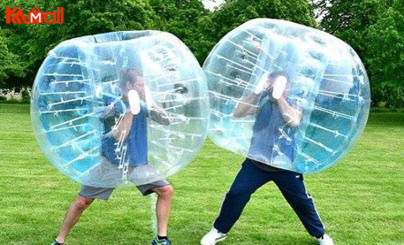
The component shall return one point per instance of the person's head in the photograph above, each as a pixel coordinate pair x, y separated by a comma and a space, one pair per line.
132, 79
272, 76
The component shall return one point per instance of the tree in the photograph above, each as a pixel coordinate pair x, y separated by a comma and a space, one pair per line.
198, 28
374, 29
183, 19
386, 56
235, 12
349, 20
81, 17
9, 63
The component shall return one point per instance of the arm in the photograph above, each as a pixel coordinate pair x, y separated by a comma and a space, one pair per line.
245, 106
290, 115
159, 115
121, 131
278, 93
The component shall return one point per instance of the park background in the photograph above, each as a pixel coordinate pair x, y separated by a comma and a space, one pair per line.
361, 199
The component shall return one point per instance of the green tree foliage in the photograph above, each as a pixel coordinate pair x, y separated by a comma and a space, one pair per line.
81, 17
235, 12
198, 28
374, 28
386, 56
349, 20
182, 18
9, 62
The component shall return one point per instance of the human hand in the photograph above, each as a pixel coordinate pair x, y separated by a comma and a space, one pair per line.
257, 46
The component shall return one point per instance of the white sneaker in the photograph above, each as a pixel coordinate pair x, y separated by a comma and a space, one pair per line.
212, 237
325, 240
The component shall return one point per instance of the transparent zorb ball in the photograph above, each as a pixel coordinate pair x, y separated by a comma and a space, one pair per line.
320, 78
84, 91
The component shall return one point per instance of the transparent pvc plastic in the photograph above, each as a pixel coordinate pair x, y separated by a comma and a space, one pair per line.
307, 92
81, 98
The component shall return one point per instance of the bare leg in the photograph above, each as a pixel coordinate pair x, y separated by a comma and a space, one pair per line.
163, 208
72, 216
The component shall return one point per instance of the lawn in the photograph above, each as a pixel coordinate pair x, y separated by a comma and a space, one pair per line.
361, 199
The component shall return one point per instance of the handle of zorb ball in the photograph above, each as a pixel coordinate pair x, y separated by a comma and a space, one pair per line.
134, 102
261, 85
279, 87
148, 98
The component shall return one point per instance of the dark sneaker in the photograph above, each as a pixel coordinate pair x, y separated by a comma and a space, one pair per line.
156, 241
56, 243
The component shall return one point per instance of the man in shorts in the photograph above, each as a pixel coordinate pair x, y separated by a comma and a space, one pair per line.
130, 130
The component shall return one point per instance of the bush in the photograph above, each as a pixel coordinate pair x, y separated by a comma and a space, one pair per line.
388, 95
25, 96
11, 101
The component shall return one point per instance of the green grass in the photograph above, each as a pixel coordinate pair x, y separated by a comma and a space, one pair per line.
361, 199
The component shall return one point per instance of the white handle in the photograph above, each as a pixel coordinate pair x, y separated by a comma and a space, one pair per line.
279, 87
134, 102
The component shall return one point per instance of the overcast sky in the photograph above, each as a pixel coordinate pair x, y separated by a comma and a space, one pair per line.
210, 4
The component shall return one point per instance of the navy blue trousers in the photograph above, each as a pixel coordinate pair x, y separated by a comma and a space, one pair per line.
249, 179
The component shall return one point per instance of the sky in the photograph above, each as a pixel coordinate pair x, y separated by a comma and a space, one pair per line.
210, 4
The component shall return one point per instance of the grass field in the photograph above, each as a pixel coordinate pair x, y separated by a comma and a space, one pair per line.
361, 199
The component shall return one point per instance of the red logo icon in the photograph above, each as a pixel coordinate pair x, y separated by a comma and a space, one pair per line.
35, 16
